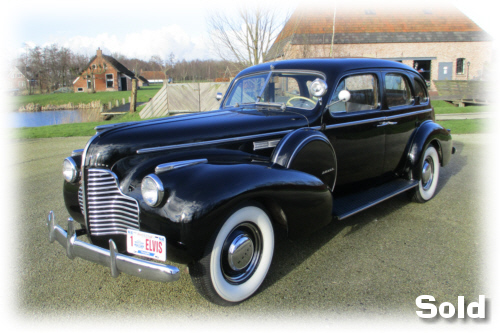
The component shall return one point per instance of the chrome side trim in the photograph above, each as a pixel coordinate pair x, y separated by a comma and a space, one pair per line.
210, 142
118, 263
408, 114
177, 165
258, 145
359, 122
352, 123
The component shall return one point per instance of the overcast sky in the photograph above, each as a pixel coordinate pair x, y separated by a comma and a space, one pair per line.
141, 28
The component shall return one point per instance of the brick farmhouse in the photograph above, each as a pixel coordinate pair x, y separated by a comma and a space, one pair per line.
104, 73
439, 41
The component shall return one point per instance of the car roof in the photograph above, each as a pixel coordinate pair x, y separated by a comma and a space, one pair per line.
328, 66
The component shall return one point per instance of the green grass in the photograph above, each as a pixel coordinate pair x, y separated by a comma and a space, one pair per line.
143, 95
465, 126
441, 107
67, 130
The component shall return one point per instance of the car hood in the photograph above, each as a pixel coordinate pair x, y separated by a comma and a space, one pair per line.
126, 139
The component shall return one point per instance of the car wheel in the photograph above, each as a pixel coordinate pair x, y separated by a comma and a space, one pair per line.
237, 258
429, 176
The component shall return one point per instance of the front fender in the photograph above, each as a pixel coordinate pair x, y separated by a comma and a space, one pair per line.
198, 199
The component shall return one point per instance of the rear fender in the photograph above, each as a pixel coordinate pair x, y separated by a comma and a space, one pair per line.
429, 133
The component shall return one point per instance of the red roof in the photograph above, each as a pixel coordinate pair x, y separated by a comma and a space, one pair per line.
153, 75
377, 18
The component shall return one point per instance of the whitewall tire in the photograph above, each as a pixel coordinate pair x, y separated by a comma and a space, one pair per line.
237, 259
429, 176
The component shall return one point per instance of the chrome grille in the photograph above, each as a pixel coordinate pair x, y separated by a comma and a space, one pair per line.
80, 199
110, 212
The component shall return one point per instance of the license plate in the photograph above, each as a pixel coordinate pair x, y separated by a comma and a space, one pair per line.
146, 244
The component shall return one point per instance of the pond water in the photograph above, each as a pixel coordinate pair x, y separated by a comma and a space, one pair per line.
45, 118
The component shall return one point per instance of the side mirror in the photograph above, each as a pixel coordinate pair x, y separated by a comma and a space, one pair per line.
218, 96
344, 96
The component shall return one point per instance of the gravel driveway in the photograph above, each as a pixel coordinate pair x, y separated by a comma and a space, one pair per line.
371, 266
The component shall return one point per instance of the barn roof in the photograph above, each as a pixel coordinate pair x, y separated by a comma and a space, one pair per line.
376, 22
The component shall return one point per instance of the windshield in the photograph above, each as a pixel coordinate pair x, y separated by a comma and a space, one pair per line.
291, 89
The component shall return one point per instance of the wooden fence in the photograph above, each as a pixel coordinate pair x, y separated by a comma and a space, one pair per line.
184, 98
462, 92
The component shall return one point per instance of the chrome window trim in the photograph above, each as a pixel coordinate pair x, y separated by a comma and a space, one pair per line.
210, 142
177, 165
288, 71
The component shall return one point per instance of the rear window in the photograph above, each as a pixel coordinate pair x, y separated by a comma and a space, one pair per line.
397, 90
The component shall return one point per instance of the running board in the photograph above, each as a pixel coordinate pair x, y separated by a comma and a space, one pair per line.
344, 207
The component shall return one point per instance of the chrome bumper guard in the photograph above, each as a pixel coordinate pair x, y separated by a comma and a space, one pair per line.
118, 263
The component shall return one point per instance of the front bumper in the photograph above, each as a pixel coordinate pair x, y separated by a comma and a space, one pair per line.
119, 263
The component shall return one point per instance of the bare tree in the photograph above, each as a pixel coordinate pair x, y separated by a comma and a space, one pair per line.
246, 37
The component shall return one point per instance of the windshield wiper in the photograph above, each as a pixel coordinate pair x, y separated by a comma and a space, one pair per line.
282, 106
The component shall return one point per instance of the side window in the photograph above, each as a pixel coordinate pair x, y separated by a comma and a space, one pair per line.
397, 90
421, 92
364, 94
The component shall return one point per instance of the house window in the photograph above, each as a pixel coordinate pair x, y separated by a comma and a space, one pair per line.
89, 84
80, 89
460, 65
109, 81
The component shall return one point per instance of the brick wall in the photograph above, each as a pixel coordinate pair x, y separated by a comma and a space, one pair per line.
479, 54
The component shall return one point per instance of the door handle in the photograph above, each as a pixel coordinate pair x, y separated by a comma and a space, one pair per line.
385, 123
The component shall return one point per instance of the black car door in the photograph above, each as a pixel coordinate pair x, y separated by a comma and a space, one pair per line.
353, 128
403, 114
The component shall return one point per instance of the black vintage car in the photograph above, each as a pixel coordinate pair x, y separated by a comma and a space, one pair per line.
295, 145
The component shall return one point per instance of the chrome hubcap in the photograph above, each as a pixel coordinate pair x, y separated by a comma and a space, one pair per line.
427, 173
241, 253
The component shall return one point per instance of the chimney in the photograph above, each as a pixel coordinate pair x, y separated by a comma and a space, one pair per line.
99, 52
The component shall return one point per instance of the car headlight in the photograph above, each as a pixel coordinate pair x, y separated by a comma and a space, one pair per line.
70, 170
152, 190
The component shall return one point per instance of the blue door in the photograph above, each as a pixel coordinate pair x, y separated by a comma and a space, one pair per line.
445, 71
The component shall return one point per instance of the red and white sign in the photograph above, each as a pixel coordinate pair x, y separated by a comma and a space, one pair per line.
146, 244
